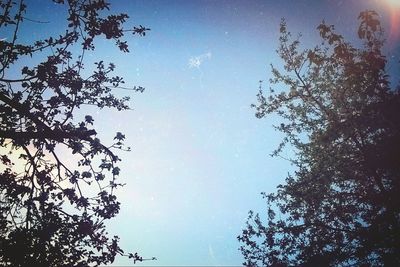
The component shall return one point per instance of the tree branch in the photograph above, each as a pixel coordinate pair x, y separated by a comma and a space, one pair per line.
56, 135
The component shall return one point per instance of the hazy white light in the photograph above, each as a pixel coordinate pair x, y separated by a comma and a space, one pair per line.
395, 3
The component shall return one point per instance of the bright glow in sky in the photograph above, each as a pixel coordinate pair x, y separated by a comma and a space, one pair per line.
394, 30
200, 157
395, 3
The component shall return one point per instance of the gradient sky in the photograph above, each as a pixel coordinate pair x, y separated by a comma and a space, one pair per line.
199, 156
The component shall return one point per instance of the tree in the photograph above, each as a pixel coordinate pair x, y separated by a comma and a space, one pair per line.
340, 115
49, 215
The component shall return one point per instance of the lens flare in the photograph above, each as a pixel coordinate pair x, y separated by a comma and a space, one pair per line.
394, 31
394, 3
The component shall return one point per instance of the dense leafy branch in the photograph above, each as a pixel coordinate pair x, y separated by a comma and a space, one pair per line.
50, 214
340, 114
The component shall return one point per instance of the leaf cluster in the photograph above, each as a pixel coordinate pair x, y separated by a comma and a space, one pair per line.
57, 178
340, 114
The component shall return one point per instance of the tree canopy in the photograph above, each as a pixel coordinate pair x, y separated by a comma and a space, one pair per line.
340, 114
49, 215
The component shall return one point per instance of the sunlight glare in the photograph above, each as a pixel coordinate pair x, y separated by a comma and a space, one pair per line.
394, 30
394, 3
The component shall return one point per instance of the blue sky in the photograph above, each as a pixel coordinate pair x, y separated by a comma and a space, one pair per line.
199, 156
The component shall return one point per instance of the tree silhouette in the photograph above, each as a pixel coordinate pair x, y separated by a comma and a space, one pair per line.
341, 207
52, 212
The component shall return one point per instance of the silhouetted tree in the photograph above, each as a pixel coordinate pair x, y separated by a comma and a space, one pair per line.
341, 207
52, 212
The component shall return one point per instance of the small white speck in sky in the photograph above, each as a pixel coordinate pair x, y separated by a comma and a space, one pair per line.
195, 62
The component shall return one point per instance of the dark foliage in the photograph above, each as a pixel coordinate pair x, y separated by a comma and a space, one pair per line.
52, 211
341, 207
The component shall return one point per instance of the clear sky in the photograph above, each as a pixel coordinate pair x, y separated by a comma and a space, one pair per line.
199, 156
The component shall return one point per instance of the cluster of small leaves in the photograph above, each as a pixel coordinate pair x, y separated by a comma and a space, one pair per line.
341, 206
47, 215
137, 258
